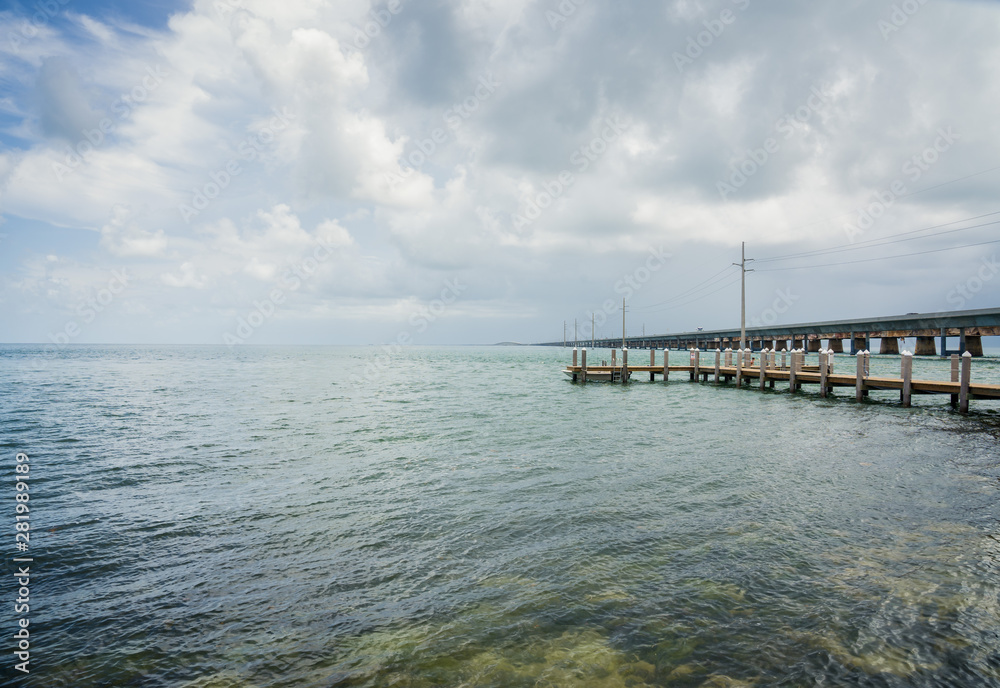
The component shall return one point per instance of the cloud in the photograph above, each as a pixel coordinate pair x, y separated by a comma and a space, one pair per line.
123, 236
372, 159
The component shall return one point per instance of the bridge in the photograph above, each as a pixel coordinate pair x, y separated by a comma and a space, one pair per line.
968, 326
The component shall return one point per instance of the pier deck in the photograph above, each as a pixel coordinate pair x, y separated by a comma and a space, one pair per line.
746, 370
749, 375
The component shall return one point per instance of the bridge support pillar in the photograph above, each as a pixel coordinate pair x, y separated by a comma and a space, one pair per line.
925, 347
859, 344
888, 345
974, 344
815, 345
798, 343
837, 345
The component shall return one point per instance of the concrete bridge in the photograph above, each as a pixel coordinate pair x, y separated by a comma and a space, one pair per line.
965, 328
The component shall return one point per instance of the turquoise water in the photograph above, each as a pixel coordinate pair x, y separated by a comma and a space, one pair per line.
447, 517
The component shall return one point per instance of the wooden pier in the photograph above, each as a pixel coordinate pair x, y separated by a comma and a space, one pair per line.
765, 368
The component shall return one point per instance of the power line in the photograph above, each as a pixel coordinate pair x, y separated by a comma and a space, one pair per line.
698, 287
890, 239
697, 298
869, 260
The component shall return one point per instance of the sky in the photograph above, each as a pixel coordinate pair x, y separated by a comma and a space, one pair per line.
246, 172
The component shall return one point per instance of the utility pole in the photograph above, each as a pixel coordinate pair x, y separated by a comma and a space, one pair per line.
743, 293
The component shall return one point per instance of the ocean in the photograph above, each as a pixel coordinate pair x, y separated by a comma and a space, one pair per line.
332, 516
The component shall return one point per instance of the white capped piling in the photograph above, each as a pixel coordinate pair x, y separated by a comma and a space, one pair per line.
583, 365
793, 369
824, 364
574, 356
859, 385
614, 358
718, 362
771, 363
829, 363
906, 370
696, 362
739, 367
624, 365
783, 353
956, 362
963, 394
762, 370
729, 357
747, 357
666, 365
652, 364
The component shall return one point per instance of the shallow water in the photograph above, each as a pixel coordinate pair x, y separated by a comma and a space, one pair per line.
468, 516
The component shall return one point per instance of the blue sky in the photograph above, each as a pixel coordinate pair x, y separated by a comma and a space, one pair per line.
444, 172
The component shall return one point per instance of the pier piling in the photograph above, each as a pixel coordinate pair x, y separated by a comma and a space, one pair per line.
906, 369
963, 394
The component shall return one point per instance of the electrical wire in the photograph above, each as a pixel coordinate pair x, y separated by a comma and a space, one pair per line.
869, 260
886, 240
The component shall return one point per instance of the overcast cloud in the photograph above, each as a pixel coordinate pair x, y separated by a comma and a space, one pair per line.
473, 171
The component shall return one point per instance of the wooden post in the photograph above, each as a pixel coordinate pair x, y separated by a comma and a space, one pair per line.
729, 357
666, 364
824, 362
783, 354
574, 356
624, 365
652, 364
859, 385
829, 363
718, 361
583, 365
868, 363
696, 362
739, 367
614, 358
963, 394
956, 362
792, 371
762, 370
906, 368
771, 363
